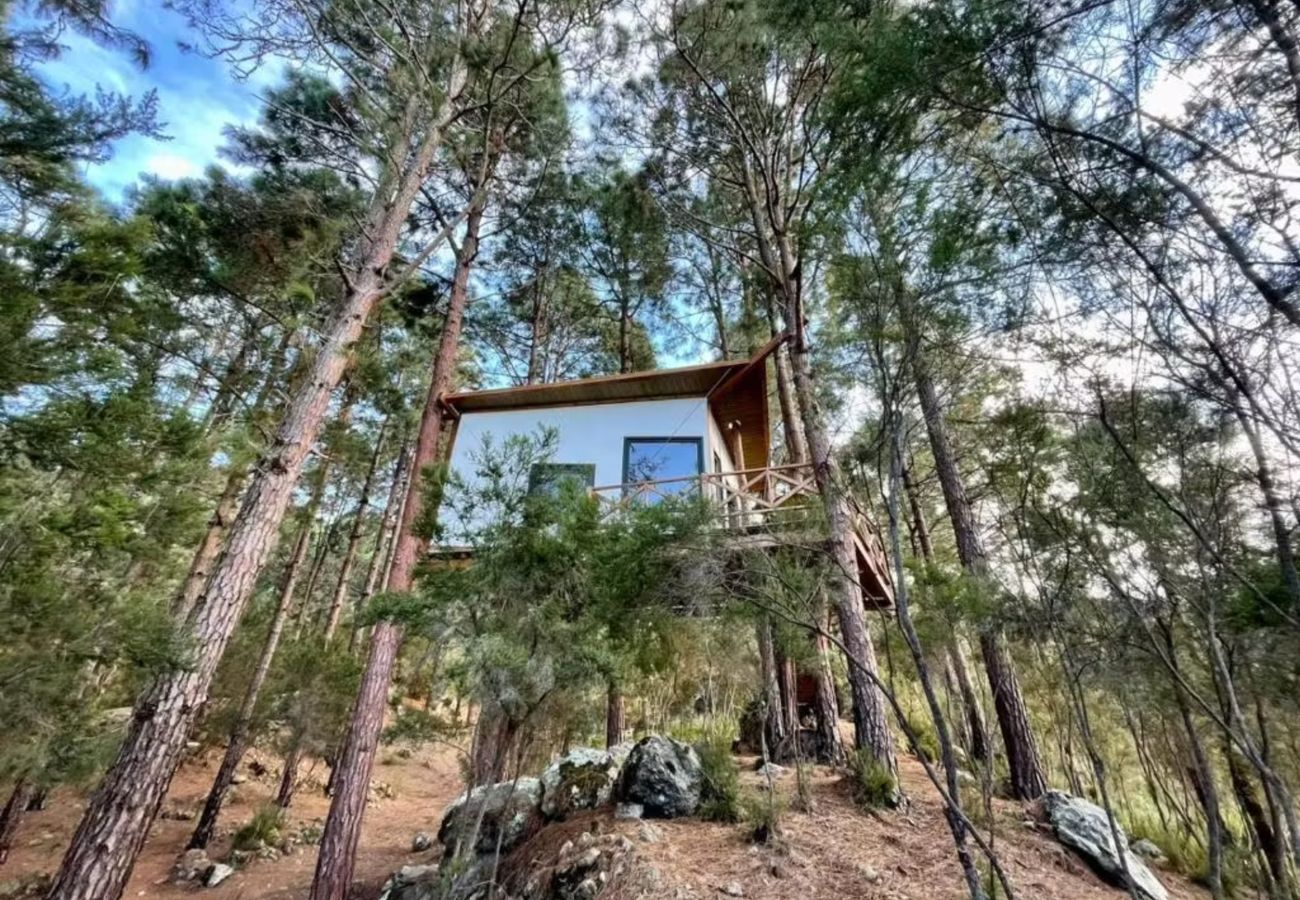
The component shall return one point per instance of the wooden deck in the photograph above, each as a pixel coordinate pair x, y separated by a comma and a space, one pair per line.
766, 507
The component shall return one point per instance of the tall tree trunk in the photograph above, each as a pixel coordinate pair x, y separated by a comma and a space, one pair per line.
1027, 777
615, 715
385, 540
12, 816
116, 822
241, 730
826, 706
778, 730
354, 537
973, 708
289, 774
871, 726
1272, 502
776, 248
227, 506
343, 825
952, 809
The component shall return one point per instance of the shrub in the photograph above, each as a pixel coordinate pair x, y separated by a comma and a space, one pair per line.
927, 739
263, 830
763, 814
720, 792
874, 785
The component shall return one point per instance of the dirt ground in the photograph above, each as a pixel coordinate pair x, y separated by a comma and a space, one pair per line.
836, 851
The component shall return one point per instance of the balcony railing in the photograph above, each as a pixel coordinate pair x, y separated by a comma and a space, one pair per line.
746, 500
753, 501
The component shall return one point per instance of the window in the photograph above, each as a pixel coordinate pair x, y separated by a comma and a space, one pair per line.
549, 479
661, 459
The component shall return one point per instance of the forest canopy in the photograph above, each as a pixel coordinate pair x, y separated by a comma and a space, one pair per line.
1019, 279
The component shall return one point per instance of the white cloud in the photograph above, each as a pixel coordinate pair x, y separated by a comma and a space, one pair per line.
172, 166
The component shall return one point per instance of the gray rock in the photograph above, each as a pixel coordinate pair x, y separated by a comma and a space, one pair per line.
1084, 827
628, 811
771, 770
1147, 850
581, 779
733, 889
412, 883
218, 873
421, 842
664, 776
192, 866
511, 812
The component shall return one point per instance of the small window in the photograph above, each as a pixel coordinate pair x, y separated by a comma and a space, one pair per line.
548, 479
677, 461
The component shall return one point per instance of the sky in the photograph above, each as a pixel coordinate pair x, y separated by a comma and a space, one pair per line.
197, 96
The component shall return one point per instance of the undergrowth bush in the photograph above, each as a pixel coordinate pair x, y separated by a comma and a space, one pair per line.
927, 739
720, 791
263, 830
762, 813
874, 785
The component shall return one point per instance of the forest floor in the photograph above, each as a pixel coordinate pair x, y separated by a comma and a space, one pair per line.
837, 851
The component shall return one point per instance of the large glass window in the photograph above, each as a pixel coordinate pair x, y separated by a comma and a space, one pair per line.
659, 459
549, 479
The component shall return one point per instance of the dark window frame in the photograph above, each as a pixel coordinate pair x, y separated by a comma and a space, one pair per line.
656, 439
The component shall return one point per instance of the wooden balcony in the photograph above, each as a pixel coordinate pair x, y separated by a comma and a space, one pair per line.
766, 507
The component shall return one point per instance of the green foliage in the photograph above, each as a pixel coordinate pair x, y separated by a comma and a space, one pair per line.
262, 830
720, 799
873, 784
762, 814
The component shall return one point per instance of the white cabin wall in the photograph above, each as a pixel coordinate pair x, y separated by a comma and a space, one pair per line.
591, 434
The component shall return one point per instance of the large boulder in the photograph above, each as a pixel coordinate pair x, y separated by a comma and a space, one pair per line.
664, 776
505, 814
1084, 827
581, 779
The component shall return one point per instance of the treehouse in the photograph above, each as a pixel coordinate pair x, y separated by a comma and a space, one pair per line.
645, 436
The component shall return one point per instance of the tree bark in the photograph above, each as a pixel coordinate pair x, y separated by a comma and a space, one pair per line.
777, 730
116, 822
12, 816
826, 705
354, 538
1026, 769
385, 540
970, 699
615, 715
870, 724
205, 555
241, 731
343, 825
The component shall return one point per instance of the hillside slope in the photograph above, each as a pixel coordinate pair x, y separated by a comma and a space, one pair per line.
837, 851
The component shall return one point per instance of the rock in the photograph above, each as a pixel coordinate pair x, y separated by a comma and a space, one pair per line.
581, 779
664, 776
628, 811
239, 778
412, 883
868, 873
217, 873
511, 812
1147, 850
771, 770
192, 866
649, 834
1084, 827
421, 842
733, 889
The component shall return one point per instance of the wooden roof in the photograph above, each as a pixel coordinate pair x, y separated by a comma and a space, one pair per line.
736, 390
658, 384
